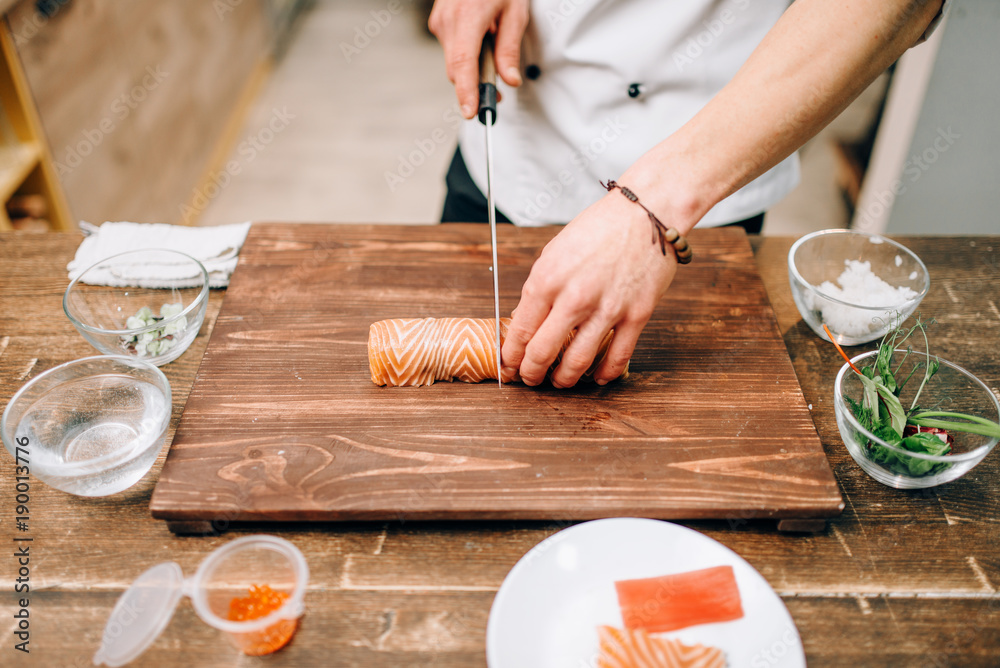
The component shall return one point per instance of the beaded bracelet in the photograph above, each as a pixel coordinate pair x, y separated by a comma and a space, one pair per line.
666, 235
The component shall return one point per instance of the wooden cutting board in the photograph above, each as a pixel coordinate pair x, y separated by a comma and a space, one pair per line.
284, 423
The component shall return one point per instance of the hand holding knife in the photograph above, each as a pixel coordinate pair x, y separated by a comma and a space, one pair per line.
488, 116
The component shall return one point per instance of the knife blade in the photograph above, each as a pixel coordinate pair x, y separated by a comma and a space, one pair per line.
488, 116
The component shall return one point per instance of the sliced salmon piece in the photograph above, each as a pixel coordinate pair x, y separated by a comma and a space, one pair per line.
638, 649
420, 351
671, 602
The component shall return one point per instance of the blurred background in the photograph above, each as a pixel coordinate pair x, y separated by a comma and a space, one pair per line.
205, 113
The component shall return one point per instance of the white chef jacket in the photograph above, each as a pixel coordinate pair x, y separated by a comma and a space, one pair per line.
576, 124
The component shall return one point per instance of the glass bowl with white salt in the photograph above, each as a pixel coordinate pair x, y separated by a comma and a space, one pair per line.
859, 285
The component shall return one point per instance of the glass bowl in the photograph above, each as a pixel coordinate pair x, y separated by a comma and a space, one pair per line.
153, 324
860, 285
91, 427
952, 388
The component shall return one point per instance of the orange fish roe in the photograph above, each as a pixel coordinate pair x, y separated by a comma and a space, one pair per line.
260, 602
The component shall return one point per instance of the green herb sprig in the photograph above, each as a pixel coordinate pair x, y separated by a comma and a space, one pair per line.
881, 412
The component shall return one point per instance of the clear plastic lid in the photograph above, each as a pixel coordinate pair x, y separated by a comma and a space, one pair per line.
141, 614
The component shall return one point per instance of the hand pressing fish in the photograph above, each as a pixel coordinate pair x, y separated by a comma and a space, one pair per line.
420, 351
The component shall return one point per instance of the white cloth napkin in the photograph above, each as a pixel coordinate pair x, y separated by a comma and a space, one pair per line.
217, 248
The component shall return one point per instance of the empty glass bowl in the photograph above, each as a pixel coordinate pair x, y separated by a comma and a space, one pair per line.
91, 427
860, 285
952, 389
152, 324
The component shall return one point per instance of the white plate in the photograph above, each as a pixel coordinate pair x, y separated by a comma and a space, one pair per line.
548, 608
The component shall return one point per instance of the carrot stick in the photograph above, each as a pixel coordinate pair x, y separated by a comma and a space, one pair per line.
839, 349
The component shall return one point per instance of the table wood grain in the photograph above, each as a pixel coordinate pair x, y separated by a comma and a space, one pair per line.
899, 579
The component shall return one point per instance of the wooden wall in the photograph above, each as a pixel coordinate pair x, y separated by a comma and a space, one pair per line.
135, 96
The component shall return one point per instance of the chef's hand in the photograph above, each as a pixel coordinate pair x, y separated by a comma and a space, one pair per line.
601, 271
460, 26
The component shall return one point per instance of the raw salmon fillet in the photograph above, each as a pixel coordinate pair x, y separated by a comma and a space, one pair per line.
420, 351
638, 649
676, 601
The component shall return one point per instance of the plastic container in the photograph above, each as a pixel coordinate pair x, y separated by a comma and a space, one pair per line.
228, 573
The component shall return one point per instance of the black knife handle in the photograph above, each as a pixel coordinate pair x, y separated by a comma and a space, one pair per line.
487, 80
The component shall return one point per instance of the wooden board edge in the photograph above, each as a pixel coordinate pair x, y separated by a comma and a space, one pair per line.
221, 517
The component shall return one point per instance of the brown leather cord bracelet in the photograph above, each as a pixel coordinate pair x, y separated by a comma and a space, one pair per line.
666, 235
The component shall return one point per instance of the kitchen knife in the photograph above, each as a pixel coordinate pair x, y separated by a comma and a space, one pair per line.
488, 116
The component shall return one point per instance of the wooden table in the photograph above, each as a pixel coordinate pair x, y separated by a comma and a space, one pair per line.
901, 578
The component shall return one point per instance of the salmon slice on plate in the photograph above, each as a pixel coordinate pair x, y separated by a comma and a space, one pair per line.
637, 649
676, 601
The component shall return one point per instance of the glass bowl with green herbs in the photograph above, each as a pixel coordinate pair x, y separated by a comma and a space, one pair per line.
912, 420
154, 324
